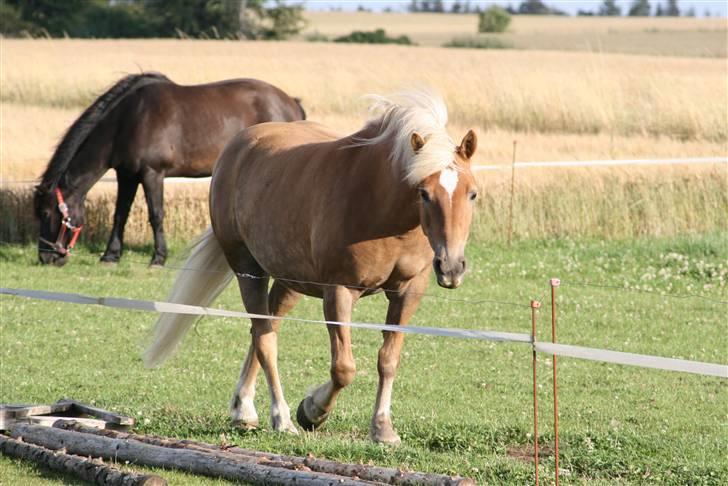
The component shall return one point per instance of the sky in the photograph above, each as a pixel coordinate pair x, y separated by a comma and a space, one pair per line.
716, 7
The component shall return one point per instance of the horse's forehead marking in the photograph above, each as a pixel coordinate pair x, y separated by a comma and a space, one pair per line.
449, 180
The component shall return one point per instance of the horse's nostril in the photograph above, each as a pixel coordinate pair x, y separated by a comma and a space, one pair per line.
438, 265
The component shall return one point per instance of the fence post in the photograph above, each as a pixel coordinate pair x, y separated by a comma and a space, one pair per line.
534, 307
555, 282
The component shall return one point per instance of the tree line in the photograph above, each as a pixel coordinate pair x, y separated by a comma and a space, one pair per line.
249, 19
638, 8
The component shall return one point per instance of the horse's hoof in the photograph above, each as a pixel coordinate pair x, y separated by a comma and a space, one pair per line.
382, 432
109, 260
245, 425
304, 421
156, 263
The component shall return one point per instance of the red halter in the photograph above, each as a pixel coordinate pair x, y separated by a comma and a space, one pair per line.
66, 224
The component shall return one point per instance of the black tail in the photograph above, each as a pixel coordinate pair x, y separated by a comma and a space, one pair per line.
79, 131
300, 107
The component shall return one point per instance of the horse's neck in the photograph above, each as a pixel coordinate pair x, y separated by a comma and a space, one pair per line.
392, 199
82, 176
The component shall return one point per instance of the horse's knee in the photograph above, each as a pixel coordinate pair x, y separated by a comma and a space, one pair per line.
342, 373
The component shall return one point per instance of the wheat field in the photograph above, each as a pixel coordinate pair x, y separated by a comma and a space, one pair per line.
556, 105
659, 36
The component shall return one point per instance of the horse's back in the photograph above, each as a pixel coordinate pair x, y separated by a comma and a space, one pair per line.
181, 130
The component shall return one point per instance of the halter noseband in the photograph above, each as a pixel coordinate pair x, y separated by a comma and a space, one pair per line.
66, 224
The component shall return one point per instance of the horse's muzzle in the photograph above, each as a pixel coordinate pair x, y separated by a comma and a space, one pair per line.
449, 272
51, 257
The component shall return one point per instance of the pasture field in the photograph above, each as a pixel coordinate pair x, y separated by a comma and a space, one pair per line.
665, 36
460, 406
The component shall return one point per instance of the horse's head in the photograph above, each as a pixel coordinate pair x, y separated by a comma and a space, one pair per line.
61, 216
447, 199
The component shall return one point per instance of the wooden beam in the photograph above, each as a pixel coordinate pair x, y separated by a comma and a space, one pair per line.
191, 461
361, 471
92, 470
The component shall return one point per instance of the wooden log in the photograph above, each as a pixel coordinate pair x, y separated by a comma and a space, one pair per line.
191, 461
96, 412
91, 470
361, 471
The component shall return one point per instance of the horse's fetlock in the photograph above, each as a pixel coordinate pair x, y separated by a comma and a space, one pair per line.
342, 373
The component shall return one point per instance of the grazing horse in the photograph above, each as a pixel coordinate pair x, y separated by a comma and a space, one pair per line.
146, 128
334, 218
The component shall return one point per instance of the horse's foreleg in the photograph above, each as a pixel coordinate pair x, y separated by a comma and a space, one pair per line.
315, 408
153, 184
242, 409
402, 307
265, 344
127, 187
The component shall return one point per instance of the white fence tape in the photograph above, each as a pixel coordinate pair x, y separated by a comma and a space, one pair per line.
642, 360
593, 354
168, 307
604, 163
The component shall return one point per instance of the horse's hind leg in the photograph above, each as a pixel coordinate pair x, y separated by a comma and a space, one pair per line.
127, 187
153, 184
242, 409
315, 408
265, 344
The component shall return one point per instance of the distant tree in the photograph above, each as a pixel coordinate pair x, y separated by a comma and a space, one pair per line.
672, 9
413, 6
11, 22
610, 9
658, 11
537, 7
640, 8
467, 8
438, 6
55, 17
584, 13
194, 17
456, 7
493, 19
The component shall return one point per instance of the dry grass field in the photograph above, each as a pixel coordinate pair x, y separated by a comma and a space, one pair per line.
557, 105
664, 36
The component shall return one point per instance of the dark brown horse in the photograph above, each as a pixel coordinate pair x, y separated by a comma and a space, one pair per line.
146, 128
337, 218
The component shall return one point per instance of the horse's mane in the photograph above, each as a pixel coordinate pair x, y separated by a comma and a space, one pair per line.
398, 117
79, 131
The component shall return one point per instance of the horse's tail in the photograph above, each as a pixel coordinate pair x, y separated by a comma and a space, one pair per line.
80, 129
203, 277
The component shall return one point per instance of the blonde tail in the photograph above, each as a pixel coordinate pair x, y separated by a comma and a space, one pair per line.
204, 276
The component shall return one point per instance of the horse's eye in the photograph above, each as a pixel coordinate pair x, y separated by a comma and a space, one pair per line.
472, 195
424, 195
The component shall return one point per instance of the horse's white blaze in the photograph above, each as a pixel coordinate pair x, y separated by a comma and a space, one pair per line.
449, 180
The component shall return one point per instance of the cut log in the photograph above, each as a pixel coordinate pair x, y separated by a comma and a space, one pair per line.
96, 412
192, 461
361, 471
91, 470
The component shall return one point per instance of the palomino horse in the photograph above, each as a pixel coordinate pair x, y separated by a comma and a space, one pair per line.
147, 128
335, 218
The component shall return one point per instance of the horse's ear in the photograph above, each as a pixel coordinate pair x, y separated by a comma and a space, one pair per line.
417, 142
469, 144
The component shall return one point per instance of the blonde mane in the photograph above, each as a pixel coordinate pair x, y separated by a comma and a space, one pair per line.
404, 113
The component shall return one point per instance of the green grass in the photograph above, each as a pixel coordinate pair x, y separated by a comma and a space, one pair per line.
459, 405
